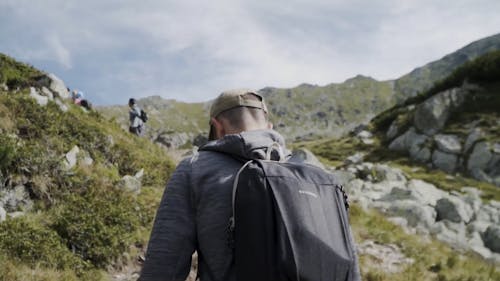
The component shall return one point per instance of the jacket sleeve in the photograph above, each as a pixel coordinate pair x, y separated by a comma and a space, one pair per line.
173, 238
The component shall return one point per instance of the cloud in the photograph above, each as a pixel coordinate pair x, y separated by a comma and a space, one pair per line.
192, 50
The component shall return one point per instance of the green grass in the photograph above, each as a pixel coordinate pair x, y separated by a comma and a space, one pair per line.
15, 74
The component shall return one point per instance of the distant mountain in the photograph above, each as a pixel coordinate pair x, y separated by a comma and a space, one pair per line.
309, 111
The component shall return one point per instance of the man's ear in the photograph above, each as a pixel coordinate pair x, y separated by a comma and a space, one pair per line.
269, 125
219, 128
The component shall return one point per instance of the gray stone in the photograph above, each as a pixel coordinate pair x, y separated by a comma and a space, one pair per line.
478, 226
46, 92
480, 157
452, 208
431, 115
367, 141
71, 158
488, 213
4, 87
303, 155
475, 135
41, 100
407, 141
451, 233
424, 192
444, 161
3, 214
139, 174
15, 199
480, 175
420, 154
364, 135
131, 184
413, 212
448, 143
491, 238
355, 159
496, 148
57, 86
388, 256
393, 130
384, 172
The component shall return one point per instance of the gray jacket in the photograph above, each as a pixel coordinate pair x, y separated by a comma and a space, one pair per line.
194, 212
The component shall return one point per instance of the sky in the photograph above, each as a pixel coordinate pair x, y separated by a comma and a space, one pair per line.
191, 51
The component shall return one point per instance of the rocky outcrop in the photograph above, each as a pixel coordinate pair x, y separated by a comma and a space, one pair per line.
460, 219
423, 141
58, 86
76, 156
389, 256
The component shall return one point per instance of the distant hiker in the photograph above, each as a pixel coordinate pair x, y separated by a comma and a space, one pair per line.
77, 96
136, 123
234, 200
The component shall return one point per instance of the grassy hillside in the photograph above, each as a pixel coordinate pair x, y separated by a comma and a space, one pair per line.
81, 222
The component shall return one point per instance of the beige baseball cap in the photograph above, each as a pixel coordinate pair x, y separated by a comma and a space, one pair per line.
234, 98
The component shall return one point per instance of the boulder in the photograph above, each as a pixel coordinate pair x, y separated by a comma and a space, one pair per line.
139, 174
425, 193
131, 184
57, 86
444, 161
451, 233
479, 157
407, 140
364, 135
448, 143
420, 154
453, 209
303, 155
46, 92
393, 130
475, 135
491, 238
383, 172
15, 199
413, 212
431, 115
41, 100
172, 139
389, 256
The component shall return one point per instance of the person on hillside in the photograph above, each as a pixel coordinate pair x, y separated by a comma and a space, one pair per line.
196, 206
136, 124
76, 96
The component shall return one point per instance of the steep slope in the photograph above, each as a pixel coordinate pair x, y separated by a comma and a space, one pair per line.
77, 193
309, 111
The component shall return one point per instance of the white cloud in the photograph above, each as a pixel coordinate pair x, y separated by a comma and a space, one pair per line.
191, 50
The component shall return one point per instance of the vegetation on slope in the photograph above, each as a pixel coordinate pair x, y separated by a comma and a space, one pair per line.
82, 222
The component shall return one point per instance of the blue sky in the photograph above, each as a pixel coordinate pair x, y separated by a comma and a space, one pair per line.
192, 50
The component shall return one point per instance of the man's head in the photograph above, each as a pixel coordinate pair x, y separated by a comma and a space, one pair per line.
235, 111
131, 102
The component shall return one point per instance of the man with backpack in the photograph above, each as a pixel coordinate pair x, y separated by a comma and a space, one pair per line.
136, 118
233, 203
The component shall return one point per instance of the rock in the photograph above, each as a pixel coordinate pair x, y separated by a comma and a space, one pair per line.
488, 213
364, 135
384, 172
448, 143
46, 92
344, 177
491, 238
475, 135
139, 174
393, 130
172, 139
413, 143
452, 208
413, 212
130, 183
473, 198
41, 100
480, 157
451, 233
420, 154
387, 256
431, 115
3, 214
15, 199
367, 141
354, 159
71, 158
496, 148
424, 192
63, 107
57, 86
480, 175
4, 87
303, 155
444, 161
200, 140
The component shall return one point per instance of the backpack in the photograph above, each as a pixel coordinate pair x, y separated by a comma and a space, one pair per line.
290, 222
144, 116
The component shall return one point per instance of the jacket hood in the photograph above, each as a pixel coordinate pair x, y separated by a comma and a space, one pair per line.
251, 145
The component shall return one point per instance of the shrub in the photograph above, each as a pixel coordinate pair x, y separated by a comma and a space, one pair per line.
99, 226
36, 245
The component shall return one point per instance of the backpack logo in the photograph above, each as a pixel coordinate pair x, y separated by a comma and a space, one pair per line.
305, 192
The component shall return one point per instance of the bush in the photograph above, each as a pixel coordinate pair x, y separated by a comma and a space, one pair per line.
36, 245
99, 226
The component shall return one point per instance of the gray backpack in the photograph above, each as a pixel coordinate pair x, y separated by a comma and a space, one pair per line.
290, 222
